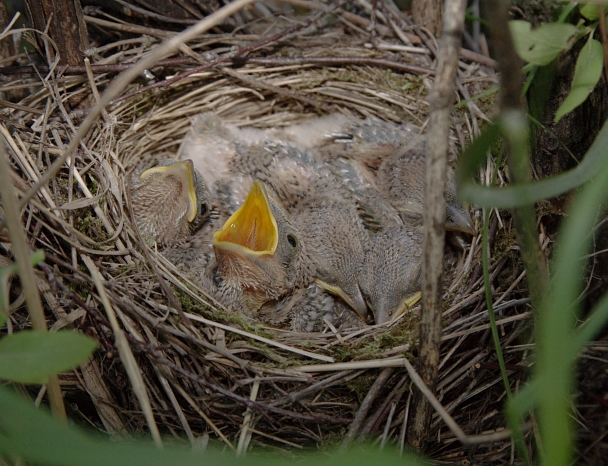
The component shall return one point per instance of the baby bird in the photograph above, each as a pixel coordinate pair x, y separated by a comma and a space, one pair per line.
359, 185
390, 280
394, 155
299, 222
170, 201
286, 160
259, 254
336, 241
212, 145
401, 180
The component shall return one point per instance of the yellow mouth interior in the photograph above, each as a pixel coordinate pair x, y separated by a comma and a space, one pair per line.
252, 227
183, 171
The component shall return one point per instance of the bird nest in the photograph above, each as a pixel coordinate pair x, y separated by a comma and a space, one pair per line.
213, 374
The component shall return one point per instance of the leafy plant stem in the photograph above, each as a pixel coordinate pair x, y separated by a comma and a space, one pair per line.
566, 12
529, 79
516, 129
523, 193
488, 292
602, 23
555, 371
26, 273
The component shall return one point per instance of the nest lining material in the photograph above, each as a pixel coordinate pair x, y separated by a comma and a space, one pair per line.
309, 380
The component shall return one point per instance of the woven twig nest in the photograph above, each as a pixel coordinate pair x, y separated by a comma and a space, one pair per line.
306, 387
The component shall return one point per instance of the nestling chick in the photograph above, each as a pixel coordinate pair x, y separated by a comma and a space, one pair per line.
316, 307
401, 179
397, 152
390, 280
259, 254
370, 141
232, 159
361, 187
170, 201
335, 240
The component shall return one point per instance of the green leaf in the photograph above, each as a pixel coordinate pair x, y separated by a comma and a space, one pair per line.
587, 74
589, 11
527, 398
30, 356
541, 45
5, 274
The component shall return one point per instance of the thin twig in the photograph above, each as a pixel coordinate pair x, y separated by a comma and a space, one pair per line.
230, 56
353, 365
262, 339
237, 61
449, 421
340, 377
245, 436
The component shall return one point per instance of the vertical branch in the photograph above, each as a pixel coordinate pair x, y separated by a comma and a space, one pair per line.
441, 98
7, 46
67, 27
537, 274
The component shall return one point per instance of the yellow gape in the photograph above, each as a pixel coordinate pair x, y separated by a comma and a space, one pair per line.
251, 228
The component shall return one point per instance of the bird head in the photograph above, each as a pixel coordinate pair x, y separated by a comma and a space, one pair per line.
350, 293
457, 218
252, 229
257, 249
170, 201
335, 242
390, 282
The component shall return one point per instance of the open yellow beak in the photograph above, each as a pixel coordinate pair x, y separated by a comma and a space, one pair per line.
252, 228
184, 172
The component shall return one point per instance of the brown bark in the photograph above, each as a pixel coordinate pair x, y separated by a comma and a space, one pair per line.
7, 46
428, 13
66, 27
8, 49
